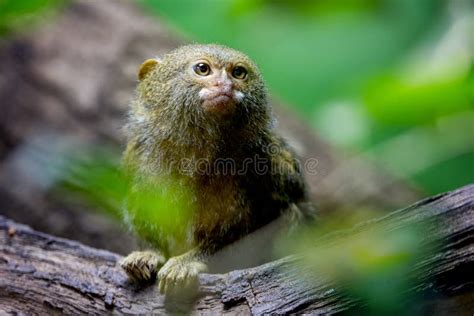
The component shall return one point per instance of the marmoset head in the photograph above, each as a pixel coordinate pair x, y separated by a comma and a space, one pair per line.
203, 81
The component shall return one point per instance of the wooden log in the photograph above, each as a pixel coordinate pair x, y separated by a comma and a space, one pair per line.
43, 274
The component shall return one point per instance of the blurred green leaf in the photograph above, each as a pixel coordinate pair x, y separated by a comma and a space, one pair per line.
95, 176
375, 266
450, 173
15, 14
161, 209
157, 206
395, 101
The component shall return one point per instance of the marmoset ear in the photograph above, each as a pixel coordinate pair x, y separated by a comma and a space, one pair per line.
146, 67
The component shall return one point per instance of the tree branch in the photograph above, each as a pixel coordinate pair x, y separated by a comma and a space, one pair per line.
40, 273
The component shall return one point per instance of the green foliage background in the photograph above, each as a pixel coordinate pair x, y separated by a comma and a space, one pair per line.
358, 71
18, 14
364, 73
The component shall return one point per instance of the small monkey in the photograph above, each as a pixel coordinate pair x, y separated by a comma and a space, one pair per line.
205, 105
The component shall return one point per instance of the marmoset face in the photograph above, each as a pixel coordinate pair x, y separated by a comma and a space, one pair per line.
222, 84
223, 79
209, 80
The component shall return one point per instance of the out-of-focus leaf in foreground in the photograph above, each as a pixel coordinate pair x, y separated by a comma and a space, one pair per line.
95, 176
375, 266
157, 209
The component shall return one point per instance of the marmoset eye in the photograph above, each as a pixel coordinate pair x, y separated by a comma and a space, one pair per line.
202, 69
239, 72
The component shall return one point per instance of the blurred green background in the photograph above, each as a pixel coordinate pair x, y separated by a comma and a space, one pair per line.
15, 15
391, 78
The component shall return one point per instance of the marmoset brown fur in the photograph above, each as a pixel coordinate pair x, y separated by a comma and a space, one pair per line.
206, 106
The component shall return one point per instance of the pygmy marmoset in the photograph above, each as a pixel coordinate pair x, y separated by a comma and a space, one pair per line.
201, 139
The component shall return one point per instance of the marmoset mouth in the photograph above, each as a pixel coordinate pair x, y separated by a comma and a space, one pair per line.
219, 102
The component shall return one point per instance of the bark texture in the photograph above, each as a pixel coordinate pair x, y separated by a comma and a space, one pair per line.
40, 273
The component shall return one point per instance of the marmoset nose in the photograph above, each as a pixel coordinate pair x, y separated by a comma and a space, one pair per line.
223, 82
